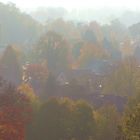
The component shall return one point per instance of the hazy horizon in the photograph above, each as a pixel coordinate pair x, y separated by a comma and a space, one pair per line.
69, 70
69, 5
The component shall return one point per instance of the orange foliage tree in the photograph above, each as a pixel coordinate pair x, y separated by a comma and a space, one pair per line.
15, 112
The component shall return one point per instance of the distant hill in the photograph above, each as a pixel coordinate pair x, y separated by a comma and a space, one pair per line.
129, 18
104, 16
17, 27
43, 14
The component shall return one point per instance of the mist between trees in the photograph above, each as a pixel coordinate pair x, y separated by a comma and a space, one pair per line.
68, 79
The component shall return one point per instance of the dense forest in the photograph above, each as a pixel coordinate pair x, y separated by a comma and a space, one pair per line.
68, 80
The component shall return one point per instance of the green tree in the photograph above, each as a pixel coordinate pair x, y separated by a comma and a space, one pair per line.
53, 48
123, 78
131, 124
84, 124
60, 119
129, 128
107, 120
10, 65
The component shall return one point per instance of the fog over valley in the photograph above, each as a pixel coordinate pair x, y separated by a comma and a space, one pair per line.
69, 70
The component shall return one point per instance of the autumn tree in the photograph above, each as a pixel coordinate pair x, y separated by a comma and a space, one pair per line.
89, 53
15, 112
127, 48
36, 74
65, 28
96, 28
28, 91
35, 103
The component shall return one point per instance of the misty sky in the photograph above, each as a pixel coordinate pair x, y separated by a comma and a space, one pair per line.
69, 4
